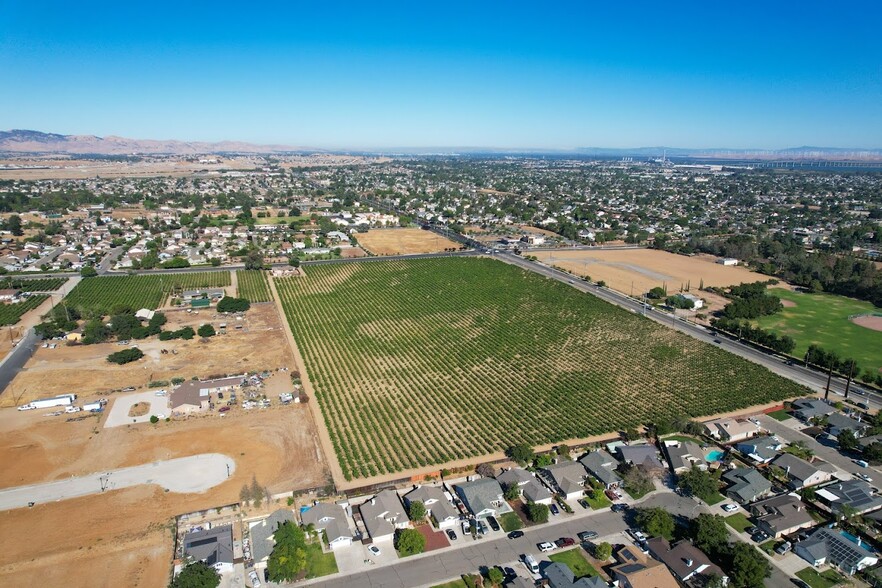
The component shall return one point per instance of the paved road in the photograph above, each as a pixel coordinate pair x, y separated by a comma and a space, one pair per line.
195, 473
470, 555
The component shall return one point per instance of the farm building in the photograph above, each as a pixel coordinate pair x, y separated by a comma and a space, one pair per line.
8, 295
695, 300
727, 261
212, 294
145, 314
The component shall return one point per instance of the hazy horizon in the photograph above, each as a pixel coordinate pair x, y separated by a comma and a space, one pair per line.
698, 76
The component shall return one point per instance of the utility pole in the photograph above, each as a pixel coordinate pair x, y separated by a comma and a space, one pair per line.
829, 377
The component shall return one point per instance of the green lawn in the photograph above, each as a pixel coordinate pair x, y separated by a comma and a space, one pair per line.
597, 503
827, 579
575, 561
318, 563
738, 522
510, 521
458, 583
713, 499
769, 546
279, 220
636, 495
780, 415
823, 319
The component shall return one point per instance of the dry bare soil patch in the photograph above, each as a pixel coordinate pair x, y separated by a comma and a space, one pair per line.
404, 241
121, 538
84, 370
425, 362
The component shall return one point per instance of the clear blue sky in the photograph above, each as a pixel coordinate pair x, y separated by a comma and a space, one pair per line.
533, 74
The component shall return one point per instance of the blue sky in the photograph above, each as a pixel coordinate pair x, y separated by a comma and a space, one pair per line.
381, 74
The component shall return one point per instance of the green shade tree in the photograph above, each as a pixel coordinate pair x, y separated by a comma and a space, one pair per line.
409, 542
521, 453
288, 558
416, 511
749, 567
196, 575
709, 532
206, 330
657, 522
537, 513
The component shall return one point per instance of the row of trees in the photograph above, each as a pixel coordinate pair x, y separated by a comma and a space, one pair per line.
233, 304
746, 330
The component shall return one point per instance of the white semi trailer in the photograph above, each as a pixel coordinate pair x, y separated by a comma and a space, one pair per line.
62, 400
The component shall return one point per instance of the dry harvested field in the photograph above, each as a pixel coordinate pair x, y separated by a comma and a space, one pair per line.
648, 268
121, 538
404, 241
422, 363
83, 369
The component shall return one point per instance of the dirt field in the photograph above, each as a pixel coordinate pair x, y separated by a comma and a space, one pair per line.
403, 241
648, 268
83, 369
121, 538
869, 321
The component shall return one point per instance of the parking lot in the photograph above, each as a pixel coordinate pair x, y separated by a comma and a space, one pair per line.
120, 405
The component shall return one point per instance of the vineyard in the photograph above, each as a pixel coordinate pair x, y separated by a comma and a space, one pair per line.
11, 313
422, 362
32, 285
253, 285
104, 293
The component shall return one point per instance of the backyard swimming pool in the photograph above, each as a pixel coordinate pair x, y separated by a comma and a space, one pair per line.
715, 455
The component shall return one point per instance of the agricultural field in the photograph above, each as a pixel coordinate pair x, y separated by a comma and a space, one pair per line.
825, 320
33, 285
404, 241
424, 362
253, 285
635, 271
102, 293
11, 313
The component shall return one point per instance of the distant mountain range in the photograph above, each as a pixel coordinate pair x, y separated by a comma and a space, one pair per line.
25, 141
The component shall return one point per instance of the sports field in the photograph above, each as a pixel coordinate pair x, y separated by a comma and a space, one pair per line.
425, 362
823, 319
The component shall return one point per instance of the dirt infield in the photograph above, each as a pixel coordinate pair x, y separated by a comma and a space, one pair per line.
639, 270
869, 321
121, 538
404, 241
84, 370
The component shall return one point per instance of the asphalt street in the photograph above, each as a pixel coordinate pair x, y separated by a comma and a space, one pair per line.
195, 473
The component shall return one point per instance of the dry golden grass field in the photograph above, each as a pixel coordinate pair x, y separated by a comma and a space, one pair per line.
403, 241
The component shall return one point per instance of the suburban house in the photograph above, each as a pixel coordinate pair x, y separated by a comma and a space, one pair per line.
760, 449
483, 497
805, 409
383, 514
8, 294
781, 515
747, 485
332, 519
686, 561
801, 473
838, 422
684, 455
636, 570
212, 546
855, 494
730, 430
569, 477
515, 477
829, 546
262, 541
643, 456
559, 575
437, 504
602, 466
534, 491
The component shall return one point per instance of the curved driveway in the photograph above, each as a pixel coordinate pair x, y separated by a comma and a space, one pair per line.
195, 473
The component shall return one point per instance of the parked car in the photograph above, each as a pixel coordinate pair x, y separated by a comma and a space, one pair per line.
636, 534
586, 535
759, 537
482, 527
619, 507
374, 550
583, 503
554, 510
565, 542
451, 534
515, 534
862, 463
255, 580
491, 520
224, 408
865, 477
784, 548
546, 546
730, 507
466, 528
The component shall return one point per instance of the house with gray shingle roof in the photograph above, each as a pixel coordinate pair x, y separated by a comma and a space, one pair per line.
644, 456
760, 449
684, 455
782, 515
262, 541
483, 497
534, 491
569, 477
838, 422
437, 504
383, 514
212, 546
805, 409
856, 494
514, 476
829, 546
602, 466
801, 473
747, 485
332, 519
560, 575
